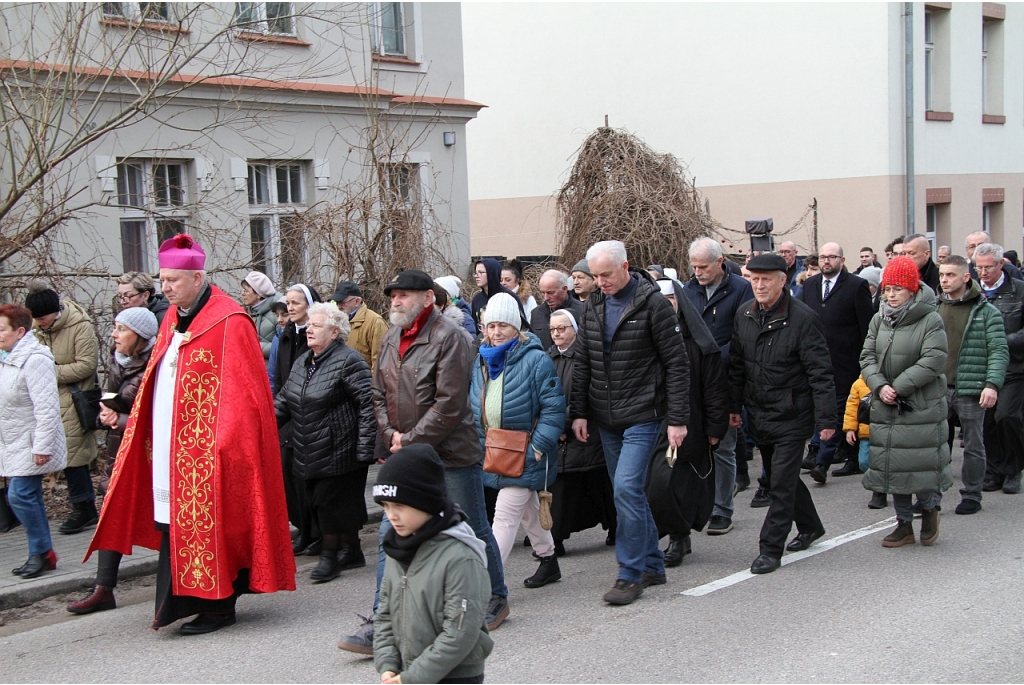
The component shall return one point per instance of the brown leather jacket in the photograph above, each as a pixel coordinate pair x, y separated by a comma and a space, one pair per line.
426, 394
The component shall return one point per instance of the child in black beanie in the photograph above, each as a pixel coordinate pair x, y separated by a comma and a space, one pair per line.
435, 574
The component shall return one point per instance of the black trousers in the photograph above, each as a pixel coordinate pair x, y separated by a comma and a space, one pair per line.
171, 607
1004, 432
790, 499
300, 512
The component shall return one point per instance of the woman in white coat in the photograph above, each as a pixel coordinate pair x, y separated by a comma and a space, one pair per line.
32, 440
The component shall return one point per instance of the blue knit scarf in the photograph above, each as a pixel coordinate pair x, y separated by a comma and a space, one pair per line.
495, 356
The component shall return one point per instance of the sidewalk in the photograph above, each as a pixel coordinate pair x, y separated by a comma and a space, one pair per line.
72, 574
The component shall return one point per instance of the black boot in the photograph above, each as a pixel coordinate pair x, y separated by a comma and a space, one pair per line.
674, 553
742, 481
811, 459
328, 568
351, 557
850, 468
37, 563
84, 516
547, 572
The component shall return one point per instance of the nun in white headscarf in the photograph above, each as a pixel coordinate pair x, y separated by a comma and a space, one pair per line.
291, 346
582, 493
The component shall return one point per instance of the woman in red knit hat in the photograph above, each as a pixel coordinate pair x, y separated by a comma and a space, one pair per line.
903, 360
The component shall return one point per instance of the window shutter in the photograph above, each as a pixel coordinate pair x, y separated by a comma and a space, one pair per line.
106, 171
322, 173
204, 174
239, 172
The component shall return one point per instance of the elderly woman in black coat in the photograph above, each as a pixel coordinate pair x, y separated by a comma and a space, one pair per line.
582, 494
682, 496
327, 399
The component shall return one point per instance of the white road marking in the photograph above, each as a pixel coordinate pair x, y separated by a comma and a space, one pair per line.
816, 548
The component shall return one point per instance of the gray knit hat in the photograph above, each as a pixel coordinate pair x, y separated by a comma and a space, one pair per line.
584, 267
872, 275
140, 320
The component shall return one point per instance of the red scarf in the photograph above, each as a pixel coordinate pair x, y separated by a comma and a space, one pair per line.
410, 334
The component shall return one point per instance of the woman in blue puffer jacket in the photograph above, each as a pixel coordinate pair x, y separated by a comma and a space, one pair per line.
515, 387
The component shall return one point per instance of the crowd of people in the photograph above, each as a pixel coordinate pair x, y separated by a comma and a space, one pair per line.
624, 398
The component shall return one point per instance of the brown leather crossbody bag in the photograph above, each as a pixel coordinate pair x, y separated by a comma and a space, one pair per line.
504, 450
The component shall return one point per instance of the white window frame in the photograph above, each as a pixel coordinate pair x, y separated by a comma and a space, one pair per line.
929, 60
275, 212
984, 68
150, 212
132, 11
260, 23
932, 227
377, 30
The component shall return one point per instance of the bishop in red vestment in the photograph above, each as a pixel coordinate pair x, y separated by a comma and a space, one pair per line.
198, 475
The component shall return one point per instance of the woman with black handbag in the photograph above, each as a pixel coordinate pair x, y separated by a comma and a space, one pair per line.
134, 334
519, 410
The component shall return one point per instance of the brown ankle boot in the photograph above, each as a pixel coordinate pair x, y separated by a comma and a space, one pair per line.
903, 535
101, 599
929, 526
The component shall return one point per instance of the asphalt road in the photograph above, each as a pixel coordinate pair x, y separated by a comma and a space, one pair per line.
854, 613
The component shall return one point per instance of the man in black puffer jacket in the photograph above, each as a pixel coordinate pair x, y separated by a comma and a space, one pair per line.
631, 376
780, 370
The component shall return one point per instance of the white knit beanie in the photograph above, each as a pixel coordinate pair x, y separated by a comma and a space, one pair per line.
503, 308
260, 284
450, 283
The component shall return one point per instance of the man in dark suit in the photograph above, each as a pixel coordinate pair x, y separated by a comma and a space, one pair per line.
843, 301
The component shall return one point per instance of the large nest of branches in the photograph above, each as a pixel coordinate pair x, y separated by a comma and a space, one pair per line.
621, 189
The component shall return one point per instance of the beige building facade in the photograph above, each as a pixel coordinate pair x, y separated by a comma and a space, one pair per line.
773, 107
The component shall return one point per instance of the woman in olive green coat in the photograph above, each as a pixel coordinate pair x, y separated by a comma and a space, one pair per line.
65, 328
903, 360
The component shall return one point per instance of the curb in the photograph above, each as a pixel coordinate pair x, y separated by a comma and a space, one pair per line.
23, 596
19, 597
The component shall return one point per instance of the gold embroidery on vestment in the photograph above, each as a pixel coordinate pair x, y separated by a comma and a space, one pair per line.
194, 465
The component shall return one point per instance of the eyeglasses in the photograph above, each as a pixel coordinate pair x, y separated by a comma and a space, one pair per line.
980, 268
559, 329
127, 297
829, 257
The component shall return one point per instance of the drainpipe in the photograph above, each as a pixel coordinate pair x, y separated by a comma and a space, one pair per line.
908, 80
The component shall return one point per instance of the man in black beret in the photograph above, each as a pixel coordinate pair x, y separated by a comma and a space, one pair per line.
779, 368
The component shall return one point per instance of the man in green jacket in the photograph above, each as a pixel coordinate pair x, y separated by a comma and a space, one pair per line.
975, 368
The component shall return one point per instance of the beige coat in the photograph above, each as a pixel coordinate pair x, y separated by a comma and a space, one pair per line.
72, 340
368, 329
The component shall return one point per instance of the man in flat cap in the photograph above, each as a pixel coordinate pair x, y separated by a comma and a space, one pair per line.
779, 368
368, 327
421, 395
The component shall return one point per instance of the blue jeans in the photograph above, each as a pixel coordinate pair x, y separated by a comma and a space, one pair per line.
827, 450
25, 496
79, 484
466, 489
627, 453
725, 474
